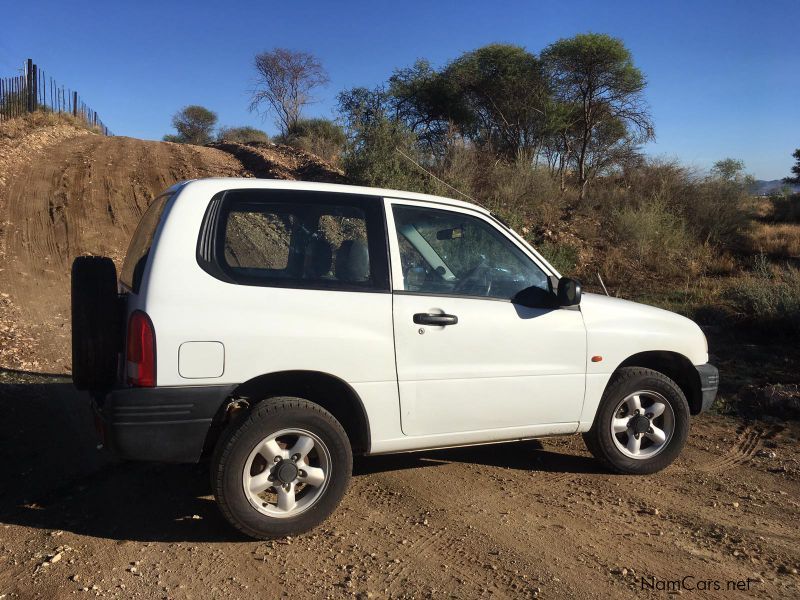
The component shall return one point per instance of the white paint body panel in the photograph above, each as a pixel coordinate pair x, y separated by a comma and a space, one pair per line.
617, 329
502, 373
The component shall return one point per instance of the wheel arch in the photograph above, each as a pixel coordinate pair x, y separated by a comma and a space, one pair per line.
328, 391
674, 365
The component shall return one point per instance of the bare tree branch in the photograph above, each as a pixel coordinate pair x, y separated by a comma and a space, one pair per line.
284, 84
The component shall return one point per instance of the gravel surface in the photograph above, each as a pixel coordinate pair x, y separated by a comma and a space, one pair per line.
510, 520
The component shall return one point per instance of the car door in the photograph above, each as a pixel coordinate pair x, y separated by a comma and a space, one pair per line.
468, 358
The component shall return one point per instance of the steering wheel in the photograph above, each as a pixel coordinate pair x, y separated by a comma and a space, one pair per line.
476, 282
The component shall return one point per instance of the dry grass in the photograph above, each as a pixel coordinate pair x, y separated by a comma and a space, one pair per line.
759, 207
769, 299
786, 209
777, 239
20, 126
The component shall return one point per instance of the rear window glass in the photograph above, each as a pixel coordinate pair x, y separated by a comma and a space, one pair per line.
303, 239
309, 244
139, 248
258, 239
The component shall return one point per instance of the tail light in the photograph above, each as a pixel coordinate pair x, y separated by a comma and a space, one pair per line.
140, 366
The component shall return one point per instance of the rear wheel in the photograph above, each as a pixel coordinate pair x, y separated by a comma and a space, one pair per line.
282, 470
641, 424
96, 322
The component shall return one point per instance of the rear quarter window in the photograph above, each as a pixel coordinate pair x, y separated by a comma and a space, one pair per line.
139, 248
297, 239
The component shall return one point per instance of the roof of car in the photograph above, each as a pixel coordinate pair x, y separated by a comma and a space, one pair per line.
222, 183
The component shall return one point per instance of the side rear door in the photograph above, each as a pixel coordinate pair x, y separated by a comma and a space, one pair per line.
468, 358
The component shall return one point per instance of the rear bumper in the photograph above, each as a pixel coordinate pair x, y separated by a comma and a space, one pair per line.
167, 424
709, 384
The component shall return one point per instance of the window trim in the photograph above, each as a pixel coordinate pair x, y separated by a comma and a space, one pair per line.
394, 246
211, 238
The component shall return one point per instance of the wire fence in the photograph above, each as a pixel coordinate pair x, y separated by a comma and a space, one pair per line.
34, 90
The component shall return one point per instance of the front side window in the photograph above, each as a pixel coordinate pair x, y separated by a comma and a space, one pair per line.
444, 252
307, 240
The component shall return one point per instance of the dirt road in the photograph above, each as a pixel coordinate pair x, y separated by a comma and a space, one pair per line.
510, 520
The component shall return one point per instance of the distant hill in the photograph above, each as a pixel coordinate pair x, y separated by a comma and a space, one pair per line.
765, 188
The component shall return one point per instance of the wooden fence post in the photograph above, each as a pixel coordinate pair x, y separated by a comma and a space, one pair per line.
35, 89
29, 85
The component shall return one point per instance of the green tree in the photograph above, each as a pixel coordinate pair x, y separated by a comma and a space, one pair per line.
595, 73
241, 135
380, 148
505, 92
194, 125
285, 82
428, 103
729, 169
496, 95
795, 179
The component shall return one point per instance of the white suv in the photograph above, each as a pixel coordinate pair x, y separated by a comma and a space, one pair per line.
280, 327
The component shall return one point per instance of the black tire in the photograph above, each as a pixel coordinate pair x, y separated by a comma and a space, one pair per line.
233, 449
628, 381
96, 322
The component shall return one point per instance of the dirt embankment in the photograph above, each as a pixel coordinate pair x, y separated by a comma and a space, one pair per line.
65, 191
274, 161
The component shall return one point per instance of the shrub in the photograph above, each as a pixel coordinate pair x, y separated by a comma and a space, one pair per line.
786, 209
194, 125
322, 137
241, 135
714, 208
768, 299
711, 208
373, 156
658, 238
564, 257
524, 196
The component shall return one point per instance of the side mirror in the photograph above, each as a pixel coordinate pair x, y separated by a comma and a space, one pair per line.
535, 297
569, 292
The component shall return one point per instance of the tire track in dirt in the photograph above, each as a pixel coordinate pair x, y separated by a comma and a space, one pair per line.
444, 555
747, 443
581, 522
491, 540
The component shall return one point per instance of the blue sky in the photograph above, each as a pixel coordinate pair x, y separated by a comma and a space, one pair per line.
723, 75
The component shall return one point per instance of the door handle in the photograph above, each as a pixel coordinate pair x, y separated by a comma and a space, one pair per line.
435, 319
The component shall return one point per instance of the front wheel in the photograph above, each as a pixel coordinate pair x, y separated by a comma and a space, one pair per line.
641, 424
282, 470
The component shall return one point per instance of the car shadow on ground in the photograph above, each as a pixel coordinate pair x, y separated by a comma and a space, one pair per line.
53, 477
528, 455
